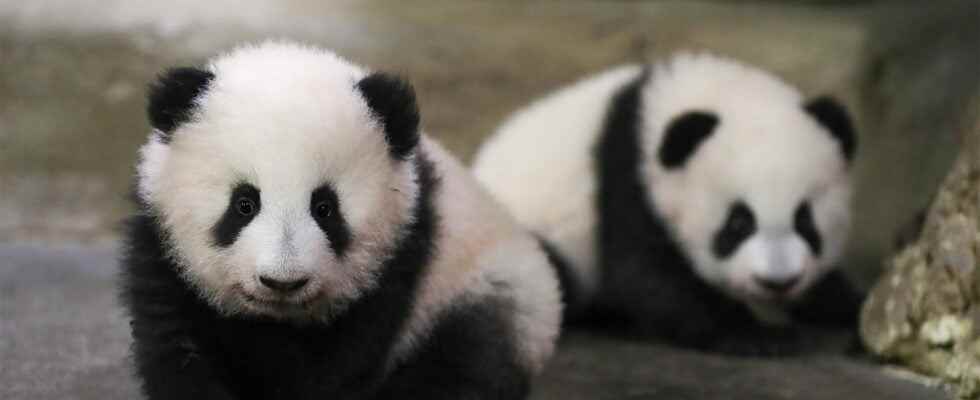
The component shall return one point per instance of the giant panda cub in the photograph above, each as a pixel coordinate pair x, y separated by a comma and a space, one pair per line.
699, 200
298, 238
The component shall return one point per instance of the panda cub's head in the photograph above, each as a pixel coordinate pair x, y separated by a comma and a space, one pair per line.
751, 178
281, 176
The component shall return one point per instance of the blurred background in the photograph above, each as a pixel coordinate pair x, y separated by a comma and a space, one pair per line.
73, 75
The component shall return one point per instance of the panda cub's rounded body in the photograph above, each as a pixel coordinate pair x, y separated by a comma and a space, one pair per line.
698, 199
298, 238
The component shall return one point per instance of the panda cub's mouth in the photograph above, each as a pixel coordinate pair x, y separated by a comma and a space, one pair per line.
280, 305
779, 293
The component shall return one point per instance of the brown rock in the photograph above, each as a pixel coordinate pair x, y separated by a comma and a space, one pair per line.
925, 310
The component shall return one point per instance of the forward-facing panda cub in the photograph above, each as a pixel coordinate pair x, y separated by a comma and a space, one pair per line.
699, 200
299, 238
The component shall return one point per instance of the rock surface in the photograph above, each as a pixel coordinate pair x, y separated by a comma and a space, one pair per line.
925, 310
63, 336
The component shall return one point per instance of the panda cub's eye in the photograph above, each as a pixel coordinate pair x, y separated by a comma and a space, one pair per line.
738, 226
740, 220
245, 206
326, 210
806, 227
321, 210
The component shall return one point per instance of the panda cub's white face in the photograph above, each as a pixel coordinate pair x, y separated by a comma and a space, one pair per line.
279, 192
752, 179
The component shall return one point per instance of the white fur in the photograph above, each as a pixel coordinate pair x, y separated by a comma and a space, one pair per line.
765, 151
480, 247
539, 165
287, 118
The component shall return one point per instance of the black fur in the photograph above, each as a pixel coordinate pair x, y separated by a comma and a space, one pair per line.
834, 117
476, 343
332, 223
647, 282
739, 225
833, 301
393, 102
172, 98
184, 349
684, 135
804, 225
226, 230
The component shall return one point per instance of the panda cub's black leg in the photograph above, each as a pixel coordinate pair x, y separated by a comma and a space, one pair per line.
833, 301
471, 354
732, 329
172, 370
680, 309
171, 363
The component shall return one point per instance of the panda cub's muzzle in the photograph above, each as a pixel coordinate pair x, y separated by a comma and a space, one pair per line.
780, 268
283, 286
279, 289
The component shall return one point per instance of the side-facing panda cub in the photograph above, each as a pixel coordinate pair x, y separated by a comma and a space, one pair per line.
698, 199
298, 238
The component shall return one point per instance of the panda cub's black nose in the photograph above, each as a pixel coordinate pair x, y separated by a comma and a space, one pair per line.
777, 285
283, 286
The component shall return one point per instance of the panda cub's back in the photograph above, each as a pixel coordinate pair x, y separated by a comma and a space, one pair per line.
539, 163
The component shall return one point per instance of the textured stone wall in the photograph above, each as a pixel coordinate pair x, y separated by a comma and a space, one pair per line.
924, 312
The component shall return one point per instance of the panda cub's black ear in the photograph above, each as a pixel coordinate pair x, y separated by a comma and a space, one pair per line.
833, 116
171, 98
683, 135
392, 100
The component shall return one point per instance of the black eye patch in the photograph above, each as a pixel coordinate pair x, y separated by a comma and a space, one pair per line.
325, 209
739, 225
243, 205
804, 225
